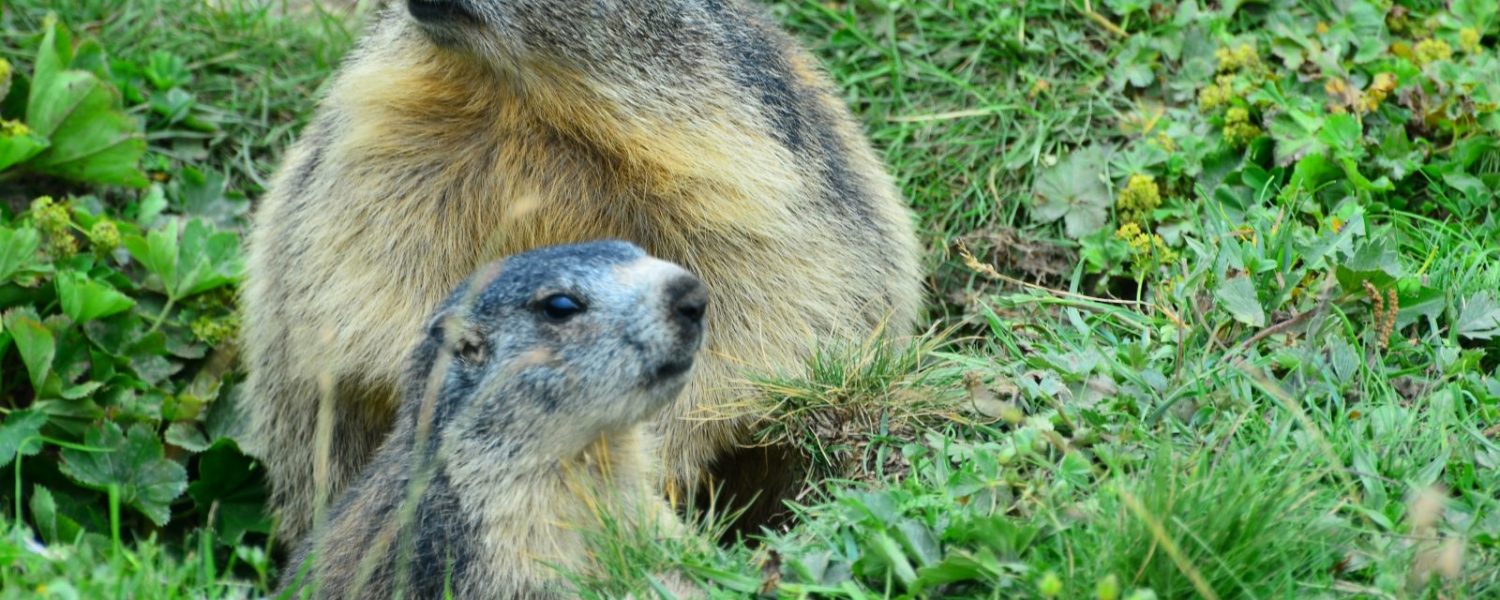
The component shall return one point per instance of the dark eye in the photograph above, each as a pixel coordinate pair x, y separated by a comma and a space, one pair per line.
561, 307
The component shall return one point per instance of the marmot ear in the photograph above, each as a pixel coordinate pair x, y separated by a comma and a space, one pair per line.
471, 347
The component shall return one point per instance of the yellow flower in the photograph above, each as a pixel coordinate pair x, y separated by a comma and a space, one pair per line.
13, 128
1238, 130
1237, 58
1402, 50
1140, 196
1432, 50
1211, 97
1335, 86
1468, 40
1380, 88
104, 235
1145, 248
1322, 28
50, 216
1216, 94
54, 220
215, 331
1165, 142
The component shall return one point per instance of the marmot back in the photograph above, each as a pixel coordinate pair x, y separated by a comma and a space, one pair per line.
532, 385
463, 130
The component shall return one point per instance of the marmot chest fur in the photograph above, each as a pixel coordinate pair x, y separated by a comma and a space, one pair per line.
464, 130
523, 415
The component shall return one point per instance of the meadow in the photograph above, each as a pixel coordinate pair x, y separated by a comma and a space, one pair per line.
1215, 303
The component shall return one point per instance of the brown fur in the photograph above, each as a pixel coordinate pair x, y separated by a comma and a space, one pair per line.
425, 160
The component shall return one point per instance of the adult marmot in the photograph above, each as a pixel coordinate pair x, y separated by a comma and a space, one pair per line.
524, 410
459, 131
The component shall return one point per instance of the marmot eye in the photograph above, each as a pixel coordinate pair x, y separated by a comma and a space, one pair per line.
561, 307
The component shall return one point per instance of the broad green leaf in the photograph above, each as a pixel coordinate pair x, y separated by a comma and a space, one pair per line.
1479, 317
84, 299
205, 194
1311, 173
147, 480
1342, 133
151, 206
1133, 65
1421, 302
186, 435
19, 146
1397, 155
227, 477
1351, 170
18, 249
1479, 14
1367, 26
35, 343
92, 139
1374, 261
1296, 135
214, 257
157, 251
1237, 296
959, 565
53, 526
190, 259
1074, 191
19, 434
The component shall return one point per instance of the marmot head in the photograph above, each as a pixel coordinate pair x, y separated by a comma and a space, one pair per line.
604, 39
549, 349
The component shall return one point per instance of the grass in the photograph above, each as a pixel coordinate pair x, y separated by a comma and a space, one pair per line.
1290, 392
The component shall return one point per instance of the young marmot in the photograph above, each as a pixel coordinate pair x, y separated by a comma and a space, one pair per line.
460, 131
532, 385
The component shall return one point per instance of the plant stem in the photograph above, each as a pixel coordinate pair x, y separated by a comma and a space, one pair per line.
171, 301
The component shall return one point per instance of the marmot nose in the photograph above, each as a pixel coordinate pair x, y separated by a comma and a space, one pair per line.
687, 300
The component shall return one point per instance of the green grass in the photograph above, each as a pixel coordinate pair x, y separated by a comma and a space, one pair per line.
1232, 410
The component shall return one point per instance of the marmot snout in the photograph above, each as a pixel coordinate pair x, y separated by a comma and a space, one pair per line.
532, 382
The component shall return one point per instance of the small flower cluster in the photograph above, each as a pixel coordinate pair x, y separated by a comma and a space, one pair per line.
10, 128
1431, 50
1468, 40
1240, 58
1238, 130
213, 331
1146, 249
1140, 196
1238, 68
1217, 94
104, 236
1380, 87
55, 222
